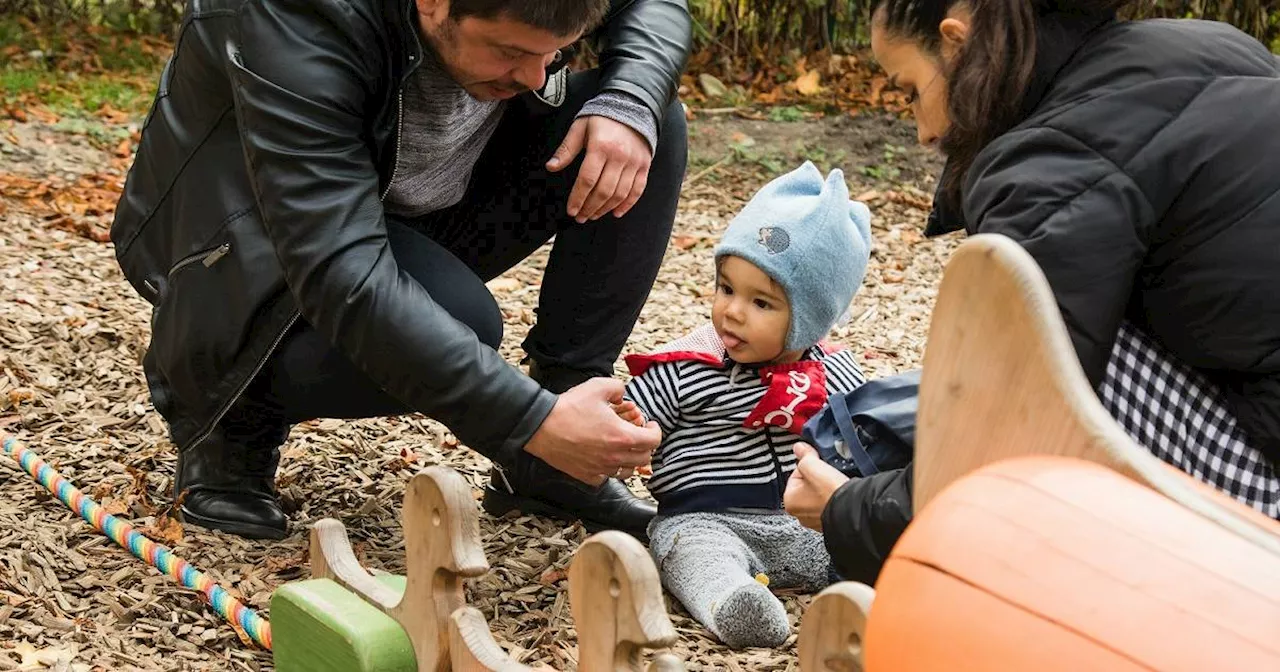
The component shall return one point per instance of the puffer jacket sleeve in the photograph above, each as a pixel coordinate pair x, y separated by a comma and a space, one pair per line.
301, 72
644, 47
863, 520
1080, 216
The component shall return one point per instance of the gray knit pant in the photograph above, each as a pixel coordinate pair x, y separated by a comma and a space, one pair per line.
709, 561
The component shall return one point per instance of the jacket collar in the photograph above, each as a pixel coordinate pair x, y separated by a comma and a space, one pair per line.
1059, 36
401, 20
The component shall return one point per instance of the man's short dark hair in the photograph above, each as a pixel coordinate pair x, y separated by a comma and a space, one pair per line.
558, 17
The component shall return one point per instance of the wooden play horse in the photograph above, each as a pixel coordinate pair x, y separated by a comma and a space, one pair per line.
348, 619
1051, 563
1062, 561
1001, 379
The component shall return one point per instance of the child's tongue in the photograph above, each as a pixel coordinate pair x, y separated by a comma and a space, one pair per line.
731, 341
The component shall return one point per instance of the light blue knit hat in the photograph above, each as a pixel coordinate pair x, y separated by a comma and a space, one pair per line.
806, 234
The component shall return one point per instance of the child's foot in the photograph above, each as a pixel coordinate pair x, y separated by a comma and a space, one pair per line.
751, 616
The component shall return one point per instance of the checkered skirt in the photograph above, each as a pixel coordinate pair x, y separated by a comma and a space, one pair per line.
1181, 417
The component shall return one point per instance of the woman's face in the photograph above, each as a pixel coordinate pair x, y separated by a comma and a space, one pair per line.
920, 72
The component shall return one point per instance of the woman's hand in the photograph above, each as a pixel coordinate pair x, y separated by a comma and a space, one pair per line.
811, 486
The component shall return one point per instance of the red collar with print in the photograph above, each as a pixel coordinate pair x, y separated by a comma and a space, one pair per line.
795, 392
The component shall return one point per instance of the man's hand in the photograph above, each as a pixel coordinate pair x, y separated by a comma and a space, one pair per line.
585, 437
614, 172
811, 486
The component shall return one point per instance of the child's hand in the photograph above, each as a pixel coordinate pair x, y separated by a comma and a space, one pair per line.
627, 410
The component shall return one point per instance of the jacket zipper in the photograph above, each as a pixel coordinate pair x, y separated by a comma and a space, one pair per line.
777, 463
219, 252
395, 153
240, 390
208, 257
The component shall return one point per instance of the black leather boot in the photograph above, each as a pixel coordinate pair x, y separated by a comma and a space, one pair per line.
534, 487
230, 486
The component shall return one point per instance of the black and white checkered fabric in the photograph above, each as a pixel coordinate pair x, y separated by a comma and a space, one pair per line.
1181, 417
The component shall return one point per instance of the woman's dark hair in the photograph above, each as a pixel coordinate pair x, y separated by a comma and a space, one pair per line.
987, 79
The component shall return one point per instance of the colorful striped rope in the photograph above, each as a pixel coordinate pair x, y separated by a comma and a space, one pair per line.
157, 555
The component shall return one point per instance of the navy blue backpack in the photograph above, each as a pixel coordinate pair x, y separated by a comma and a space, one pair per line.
870, 429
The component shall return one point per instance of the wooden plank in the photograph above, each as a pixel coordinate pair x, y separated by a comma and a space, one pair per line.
319, 626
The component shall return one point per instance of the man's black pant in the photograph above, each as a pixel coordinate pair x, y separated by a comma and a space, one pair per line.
596, 282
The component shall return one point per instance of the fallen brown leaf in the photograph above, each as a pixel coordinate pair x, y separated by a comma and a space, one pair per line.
504, 285
165, 529
20, 395
685, 242
277, 563
44, 114
808, 84
115, 507
552, 577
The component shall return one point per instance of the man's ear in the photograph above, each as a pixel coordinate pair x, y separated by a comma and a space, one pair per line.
433, 12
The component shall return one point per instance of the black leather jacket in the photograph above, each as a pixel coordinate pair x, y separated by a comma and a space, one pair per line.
255, 199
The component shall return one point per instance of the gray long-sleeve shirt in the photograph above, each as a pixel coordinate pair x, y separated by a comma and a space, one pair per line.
445, 130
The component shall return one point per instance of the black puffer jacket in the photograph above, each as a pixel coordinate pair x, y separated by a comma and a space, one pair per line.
255, 199
1145, 182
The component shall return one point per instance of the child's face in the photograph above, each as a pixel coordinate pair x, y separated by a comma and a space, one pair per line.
751, 314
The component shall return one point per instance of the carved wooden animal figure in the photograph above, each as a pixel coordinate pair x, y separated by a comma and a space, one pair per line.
1001, 379
351, 620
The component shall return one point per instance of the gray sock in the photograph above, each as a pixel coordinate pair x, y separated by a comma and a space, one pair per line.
751, 616
711, 570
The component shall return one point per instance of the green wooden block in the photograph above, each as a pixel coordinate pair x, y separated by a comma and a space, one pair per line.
319, 626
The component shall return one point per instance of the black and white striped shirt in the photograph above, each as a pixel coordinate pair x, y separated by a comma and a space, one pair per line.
708, 459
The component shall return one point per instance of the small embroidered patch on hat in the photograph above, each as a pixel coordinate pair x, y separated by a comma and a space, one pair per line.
774, 239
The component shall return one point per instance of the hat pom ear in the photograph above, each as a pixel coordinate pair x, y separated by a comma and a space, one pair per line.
861, 216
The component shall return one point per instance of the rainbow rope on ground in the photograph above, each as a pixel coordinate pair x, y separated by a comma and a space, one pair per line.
157, 555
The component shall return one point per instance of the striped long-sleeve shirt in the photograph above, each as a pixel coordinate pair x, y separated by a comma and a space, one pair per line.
728, 429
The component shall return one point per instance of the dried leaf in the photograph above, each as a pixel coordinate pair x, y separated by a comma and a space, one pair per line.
552, 577
503, 285
685, 242
44, 115
115, 507
19, 396
165, 529
244, 637
277, 564
808, 83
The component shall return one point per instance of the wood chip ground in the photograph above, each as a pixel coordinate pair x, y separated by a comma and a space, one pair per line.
72, 333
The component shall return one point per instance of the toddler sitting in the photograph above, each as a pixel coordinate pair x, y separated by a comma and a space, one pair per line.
732, 397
